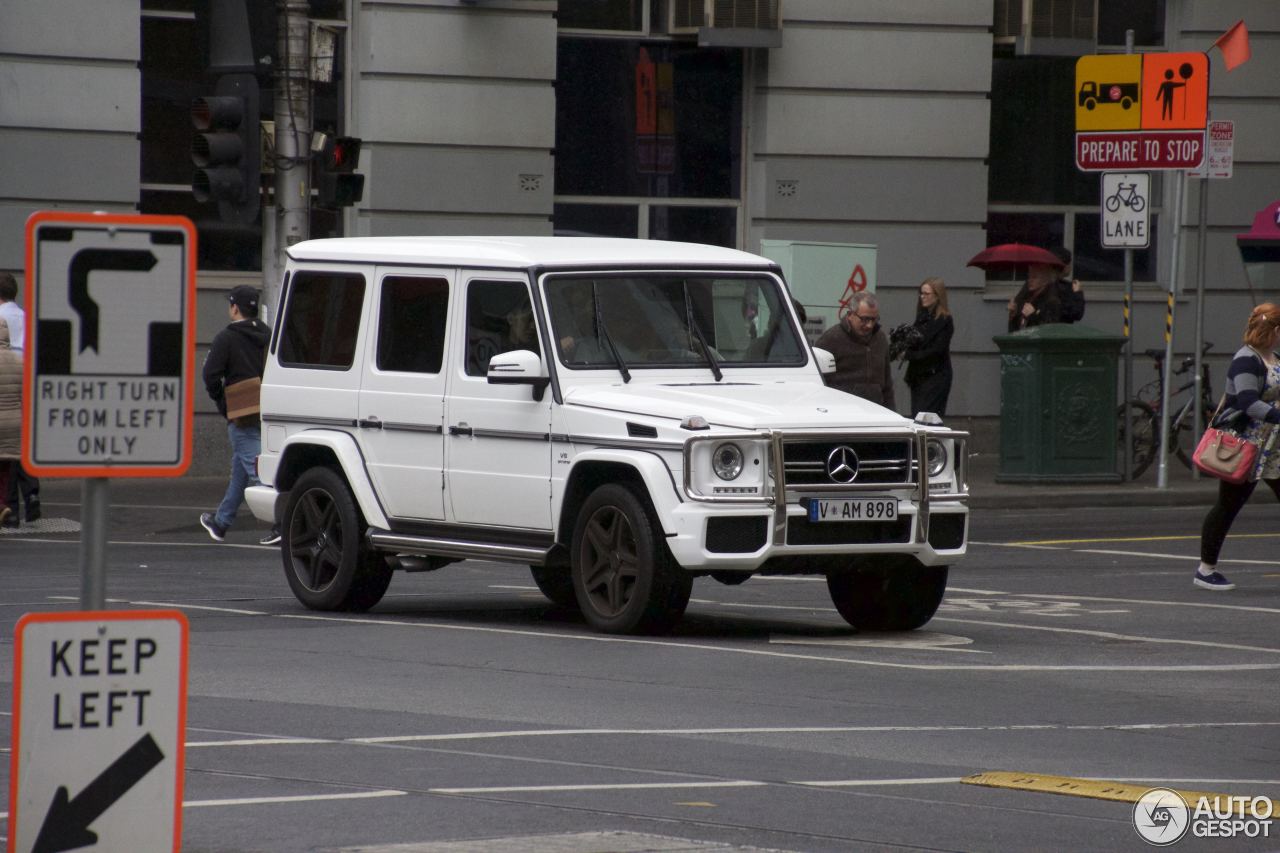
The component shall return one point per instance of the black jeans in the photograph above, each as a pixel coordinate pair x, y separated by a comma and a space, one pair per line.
1231, 499
21, 481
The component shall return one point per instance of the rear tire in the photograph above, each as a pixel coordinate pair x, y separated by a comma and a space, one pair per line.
556, 585
326, 562
1184, 435
1146, 433
623, 575
896, 595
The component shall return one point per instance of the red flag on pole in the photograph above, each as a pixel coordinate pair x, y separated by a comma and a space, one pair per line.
1234, 44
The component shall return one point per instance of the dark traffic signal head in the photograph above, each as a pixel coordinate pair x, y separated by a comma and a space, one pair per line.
226, 148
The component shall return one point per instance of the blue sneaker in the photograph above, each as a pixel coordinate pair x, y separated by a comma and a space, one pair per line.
1214, 581
216, 531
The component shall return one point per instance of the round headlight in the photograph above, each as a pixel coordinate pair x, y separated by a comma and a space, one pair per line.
937, 457
726, 461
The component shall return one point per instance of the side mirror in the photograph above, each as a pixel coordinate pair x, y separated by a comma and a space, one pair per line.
519, 367
826, 361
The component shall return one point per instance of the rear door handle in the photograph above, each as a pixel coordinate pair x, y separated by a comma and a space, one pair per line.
369, 423
461, 429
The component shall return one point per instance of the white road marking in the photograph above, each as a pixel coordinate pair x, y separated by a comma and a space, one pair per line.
622, 786
1028, 727
1192, 558
1244, 607
269, 741
255, 801
202, 607
1110, 635
875, 783
599, 638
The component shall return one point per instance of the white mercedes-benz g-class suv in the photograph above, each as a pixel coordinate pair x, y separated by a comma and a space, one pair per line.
620, 415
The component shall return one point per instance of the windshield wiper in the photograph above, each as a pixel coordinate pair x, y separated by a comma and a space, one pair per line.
697, 333
604, 332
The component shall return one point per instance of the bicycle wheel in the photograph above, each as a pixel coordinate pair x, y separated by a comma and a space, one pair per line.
1146, 429
1185, 438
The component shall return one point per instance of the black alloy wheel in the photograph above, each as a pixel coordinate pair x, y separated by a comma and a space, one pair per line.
325, 561
624, 577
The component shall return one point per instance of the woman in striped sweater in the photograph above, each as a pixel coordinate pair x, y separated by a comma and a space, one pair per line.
1253, 389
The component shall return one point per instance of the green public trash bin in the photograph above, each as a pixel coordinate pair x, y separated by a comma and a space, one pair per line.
1058, 405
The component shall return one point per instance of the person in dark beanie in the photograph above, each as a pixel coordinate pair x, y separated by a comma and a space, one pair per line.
238, 353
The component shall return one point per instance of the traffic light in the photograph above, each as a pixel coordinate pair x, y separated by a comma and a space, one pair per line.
337, 185
226, 148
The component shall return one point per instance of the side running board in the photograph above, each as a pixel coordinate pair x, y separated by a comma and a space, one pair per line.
429, 546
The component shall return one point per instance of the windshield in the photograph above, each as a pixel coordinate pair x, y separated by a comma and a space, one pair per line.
661, 320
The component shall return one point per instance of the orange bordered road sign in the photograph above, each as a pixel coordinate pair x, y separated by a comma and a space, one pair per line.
110, 345
99, 731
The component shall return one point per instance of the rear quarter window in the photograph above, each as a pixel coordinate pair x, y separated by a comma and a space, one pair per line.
322, 320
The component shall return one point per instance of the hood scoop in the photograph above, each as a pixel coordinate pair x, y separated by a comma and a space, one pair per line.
641, 430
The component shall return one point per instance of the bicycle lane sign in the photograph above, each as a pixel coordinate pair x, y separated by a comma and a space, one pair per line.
1126, 210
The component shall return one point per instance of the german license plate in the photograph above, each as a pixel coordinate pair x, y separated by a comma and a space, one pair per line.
853, 509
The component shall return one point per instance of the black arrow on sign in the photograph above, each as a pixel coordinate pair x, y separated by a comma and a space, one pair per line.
66, 824
86, 261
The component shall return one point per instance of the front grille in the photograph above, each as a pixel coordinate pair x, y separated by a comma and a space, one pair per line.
737, 534
885, 461
801, 531
946, 530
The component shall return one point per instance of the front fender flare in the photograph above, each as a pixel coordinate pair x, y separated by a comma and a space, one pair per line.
343, 448
658, 478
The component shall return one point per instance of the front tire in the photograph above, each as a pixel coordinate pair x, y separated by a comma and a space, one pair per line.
625, 579
327, 565
899, 595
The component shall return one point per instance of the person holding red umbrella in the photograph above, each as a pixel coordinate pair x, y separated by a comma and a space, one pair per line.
1037, 303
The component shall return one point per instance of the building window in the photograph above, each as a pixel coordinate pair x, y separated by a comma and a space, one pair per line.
648, 120
620, 15
1144, 17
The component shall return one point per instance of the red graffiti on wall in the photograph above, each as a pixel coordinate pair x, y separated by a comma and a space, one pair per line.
857, 283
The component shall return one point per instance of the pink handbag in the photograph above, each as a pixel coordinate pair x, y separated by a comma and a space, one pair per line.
1225, 455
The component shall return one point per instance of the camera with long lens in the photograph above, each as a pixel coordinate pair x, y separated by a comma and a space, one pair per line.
903, 338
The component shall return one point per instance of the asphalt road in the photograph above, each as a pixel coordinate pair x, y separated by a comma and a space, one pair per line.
465, 707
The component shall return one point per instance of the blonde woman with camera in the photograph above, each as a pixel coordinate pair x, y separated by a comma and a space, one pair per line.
929, 361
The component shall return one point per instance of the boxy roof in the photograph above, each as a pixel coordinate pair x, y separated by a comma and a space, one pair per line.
519, 252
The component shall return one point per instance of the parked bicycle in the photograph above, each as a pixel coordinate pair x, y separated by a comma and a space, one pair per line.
1145, 407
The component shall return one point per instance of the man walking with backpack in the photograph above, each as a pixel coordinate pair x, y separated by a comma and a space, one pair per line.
232, 376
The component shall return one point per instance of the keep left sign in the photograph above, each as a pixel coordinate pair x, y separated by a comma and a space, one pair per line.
99, 719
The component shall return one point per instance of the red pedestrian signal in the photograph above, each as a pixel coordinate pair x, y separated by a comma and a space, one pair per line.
336, 183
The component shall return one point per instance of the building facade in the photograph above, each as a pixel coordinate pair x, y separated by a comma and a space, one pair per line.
927, 129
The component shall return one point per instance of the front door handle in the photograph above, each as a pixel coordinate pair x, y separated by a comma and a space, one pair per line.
369, 423
461, 429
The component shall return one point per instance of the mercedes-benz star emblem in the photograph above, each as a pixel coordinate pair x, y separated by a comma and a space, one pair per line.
842, 465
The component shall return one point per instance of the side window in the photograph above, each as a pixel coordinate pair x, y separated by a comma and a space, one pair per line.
411, 324
499, 319
321, 320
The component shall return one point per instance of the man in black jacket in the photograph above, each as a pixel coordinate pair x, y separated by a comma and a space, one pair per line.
237, 353
1070, 294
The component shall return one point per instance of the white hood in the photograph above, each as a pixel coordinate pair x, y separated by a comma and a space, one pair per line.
740, 405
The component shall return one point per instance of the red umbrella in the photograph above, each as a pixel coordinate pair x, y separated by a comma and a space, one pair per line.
1011, 255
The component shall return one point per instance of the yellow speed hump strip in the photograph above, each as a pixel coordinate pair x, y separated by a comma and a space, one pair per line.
1097, 789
